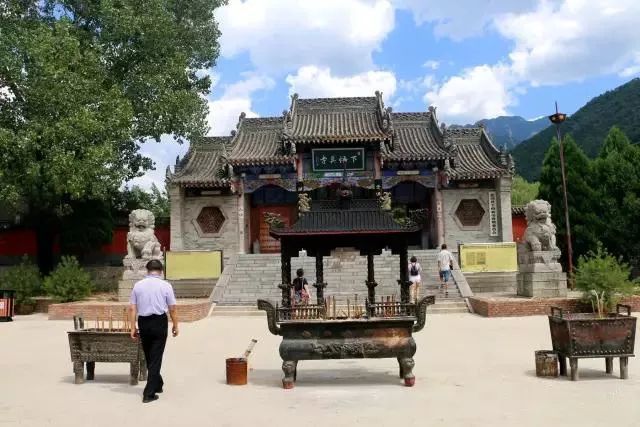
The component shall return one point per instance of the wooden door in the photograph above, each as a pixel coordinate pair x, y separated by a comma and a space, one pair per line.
267, 243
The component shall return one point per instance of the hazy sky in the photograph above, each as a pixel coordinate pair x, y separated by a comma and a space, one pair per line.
472, 59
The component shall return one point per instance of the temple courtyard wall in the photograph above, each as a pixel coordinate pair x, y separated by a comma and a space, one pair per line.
469, 371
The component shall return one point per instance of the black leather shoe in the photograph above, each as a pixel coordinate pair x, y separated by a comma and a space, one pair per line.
149, 399
159, 391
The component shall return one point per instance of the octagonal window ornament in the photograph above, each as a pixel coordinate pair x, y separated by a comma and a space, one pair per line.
210, 220
469, 212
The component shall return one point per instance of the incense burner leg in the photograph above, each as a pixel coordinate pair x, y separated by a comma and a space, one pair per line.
91, 368
608, 363
289, 369
134, 370
574, 369
78, 370
400, 368
295, 372
143, 369
563, 365
624, 368
406, 366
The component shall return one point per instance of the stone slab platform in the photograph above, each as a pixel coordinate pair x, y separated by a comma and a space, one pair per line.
189, 310
506, 305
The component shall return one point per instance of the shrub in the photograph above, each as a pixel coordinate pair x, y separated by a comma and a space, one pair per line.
604, 279
68, 282
23, 278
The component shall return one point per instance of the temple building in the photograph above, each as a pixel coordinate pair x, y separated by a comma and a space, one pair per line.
453, 182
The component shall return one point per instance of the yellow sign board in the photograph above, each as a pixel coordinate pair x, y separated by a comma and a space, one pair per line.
488, 257
193, 265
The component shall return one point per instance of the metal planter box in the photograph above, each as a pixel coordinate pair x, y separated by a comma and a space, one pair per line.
584, 335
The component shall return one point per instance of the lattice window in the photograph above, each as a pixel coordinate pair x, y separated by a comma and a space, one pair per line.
469, 212
210, 219
493, 214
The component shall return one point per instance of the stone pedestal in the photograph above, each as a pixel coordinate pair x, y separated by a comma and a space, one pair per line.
134, 269
540, 274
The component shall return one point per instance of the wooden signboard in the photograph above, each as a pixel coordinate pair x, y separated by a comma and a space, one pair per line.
334, 159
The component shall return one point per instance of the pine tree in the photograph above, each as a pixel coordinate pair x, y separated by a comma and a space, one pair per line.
580, 196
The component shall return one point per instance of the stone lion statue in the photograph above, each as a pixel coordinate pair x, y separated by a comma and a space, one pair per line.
540, 234
304, 202
141, 239
385, 201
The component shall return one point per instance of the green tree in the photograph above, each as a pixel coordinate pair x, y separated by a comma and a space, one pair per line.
522, 191
155, 200
581, 196
83, 84
617, 173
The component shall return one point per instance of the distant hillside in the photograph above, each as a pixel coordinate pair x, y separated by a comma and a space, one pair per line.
510, 130
588, 126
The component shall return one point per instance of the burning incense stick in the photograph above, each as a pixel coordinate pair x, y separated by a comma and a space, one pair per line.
249, 349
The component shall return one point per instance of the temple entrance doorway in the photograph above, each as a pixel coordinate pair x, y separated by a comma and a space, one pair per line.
272, 199
414, 200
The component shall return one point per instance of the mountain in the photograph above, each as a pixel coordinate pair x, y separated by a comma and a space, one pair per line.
588, 126
510, 130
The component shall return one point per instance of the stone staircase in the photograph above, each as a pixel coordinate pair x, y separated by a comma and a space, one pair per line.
256, 276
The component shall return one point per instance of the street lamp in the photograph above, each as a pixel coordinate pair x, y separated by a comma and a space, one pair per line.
557, 119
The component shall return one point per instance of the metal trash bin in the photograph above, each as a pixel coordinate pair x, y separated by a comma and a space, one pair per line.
546, 363
7, 303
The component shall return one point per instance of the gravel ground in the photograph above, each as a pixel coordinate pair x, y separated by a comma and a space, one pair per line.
470, 371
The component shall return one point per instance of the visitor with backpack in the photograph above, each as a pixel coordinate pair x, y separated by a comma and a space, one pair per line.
414, 277
445, 265
300, 288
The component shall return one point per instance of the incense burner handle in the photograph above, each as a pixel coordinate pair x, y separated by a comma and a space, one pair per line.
421, 311
271, 316
625, 306
556, 312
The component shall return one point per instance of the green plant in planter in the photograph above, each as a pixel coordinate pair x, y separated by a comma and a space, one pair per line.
68, 282
25, 279
604, 279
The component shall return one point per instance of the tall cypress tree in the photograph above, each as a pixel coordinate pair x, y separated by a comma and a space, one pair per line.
617, 170
580, 196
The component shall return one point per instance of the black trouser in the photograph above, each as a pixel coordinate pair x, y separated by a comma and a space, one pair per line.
153, 333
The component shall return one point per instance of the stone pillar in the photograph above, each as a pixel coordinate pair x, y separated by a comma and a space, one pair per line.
300, 167
241, 223
176, 200
371, 280
505, 220
439, 208
320, 284
404, 275
285, 286
377, 166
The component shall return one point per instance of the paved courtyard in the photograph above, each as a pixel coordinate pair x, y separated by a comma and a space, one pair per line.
470, 371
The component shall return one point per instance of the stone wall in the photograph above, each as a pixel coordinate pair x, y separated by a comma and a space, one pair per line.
453, 230
226, 239
188, 310
508, 307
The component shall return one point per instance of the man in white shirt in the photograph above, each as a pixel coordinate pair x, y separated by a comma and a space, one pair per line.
445, 263
150, 300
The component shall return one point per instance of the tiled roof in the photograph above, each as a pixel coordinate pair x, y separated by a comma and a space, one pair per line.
517, 210
201, 164
346, 221
258, 141
329, 120
477, 157
416, 138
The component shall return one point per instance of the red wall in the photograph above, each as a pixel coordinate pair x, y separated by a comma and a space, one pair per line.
18, 242
519, 224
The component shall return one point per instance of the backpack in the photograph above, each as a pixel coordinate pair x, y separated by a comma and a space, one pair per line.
414, 269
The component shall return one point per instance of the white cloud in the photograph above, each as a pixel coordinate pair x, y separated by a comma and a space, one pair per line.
235, 99
162, 153
460, 19
479, 92
431, 64
311, 82
281, 35
573, 41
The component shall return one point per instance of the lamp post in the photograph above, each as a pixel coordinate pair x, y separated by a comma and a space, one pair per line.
557, 119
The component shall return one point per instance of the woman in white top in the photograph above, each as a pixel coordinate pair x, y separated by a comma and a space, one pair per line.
414, 277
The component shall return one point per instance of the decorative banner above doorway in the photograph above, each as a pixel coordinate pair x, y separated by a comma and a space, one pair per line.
334, 159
